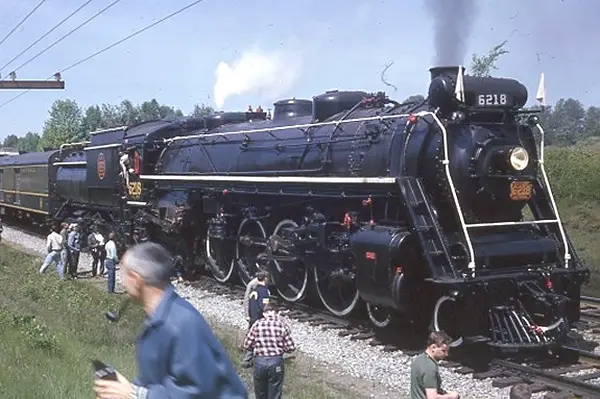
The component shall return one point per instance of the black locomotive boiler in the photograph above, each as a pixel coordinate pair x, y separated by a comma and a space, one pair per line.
416, 210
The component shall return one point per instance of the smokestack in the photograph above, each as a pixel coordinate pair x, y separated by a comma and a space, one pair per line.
451, 71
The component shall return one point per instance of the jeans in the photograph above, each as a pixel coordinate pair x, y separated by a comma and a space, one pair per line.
268, 377
73, 262
111, 269
54, 256
98, 260
249, 354
64, 257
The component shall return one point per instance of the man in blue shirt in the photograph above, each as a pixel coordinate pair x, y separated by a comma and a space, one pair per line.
257, 297
74, 245
178, 355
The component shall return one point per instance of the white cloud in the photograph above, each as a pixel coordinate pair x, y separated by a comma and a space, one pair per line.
266, 74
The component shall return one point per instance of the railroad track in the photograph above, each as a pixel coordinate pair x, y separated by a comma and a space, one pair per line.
576, 380
590, 311
546, 374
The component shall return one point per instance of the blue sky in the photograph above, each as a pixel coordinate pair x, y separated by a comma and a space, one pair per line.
310, 46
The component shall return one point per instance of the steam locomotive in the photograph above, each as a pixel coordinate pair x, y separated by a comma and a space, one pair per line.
438, 211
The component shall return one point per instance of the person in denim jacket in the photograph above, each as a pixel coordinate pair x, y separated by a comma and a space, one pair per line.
178, 355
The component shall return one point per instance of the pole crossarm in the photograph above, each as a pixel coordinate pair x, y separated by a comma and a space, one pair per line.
32, 84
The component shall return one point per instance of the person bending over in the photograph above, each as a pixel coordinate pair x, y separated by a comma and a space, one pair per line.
425, 380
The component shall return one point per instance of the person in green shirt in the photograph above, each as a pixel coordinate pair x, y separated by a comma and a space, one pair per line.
425, 380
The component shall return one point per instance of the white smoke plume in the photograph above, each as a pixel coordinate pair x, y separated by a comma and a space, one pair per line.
453, 23
268, 74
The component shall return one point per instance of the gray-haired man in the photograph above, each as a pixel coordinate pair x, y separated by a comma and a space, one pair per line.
178, 355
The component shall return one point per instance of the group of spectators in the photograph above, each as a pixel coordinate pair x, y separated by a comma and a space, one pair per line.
64, 246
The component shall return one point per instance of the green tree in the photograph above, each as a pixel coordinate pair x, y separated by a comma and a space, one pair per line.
150, 110
11, 141
202, 110
29, 142
416, 98
92, 120
565, 122
64, 125
110, 116
483, 65
592, 122
129, 114
166, 111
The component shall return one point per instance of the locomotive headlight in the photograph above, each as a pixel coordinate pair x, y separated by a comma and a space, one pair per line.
518, 158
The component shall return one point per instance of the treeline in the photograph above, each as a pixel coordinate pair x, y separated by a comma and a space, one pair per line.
68, 122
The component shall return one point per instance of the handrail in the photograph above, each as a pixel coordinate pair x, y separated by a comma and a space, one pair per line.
301, 126
68, 145
446, 163
551, 196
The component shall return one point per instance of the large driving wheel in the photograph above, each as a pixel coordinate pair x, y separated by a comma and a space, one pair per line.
247, 249
290, 277
337, 290
380, 315
445, 315
221, 265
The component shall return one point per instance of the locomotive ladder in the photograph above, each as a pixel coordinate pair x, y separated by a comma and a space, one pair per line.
466, 226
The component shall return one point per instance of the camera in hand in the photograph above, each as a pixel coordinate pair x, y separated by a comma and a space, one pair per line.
103, 371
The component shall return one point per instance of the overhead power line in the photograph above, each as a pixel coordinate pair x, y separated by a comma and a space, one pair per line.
21, 23
67, 35
54, 76
128, 37
46, 34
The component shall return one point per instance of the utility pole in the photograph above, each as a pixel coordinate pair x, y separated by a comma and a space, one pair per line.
32, 84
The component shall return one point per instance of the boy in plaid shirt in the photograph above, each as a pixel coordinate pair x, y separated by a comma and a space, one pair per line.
270, 337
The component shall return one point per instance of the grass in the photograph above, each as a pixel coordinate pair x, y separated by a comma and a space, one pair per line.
49, 331
574, 175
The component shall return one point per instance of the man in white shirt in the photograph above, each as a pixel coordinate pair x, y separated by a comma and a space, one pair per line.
96, 245
54, 244
111, 261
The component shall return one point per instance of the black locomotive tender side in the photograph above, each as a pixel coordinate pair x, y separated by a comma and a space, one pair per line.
415, 210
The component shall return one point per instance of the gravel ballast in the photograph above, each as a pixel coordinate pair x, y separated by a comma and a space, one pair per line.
353, 359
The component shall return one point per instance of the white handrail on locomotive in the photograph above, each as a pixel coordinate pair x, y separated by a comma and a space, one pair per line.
384, 180
446, 163
286, 127
110, 129
70, 163
67, 145
552, 201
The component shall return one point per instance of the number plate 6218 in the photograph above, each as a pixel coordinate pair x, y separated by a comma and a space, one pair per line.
492, 99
